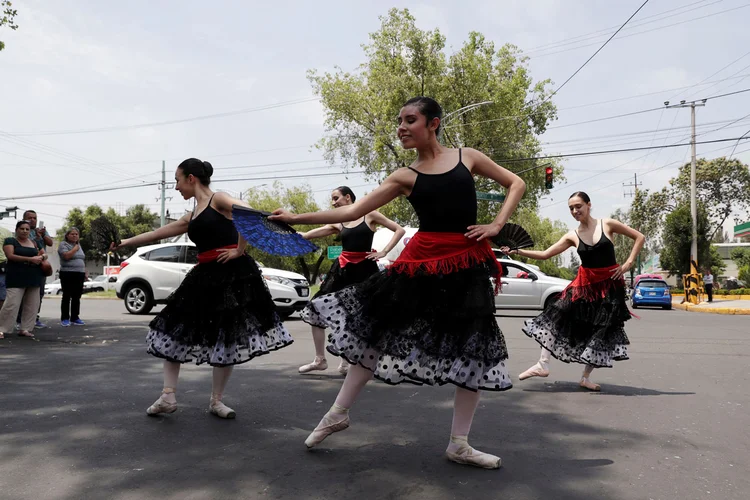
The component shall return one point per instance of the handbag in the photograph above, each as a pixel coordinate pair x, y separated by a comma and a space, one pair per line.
46, 268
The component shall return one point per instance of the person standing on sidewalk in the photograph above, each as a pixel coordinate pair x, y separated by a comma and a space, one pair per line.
4, 233
72, 276
43, 240
708, 284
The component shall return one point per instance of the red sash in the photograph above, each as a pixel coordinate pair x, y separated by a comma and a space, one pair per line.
445, 253
213, 254
351, 258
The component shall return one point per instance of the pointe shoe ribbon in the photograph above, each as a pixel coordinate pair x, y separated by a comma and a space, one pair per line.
467, 455
220, 409
535, 371
162, 406
317, 364
333, 421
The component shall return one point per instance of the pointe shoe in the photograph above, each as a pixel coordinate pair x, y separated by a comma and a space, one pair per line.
162, 406
327, 426
587, 384
343, 367
317, 364
467, 455
220, 409
535, 371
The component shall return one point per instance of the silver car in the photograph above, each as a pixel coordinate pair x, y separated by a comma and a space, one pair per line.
524, 286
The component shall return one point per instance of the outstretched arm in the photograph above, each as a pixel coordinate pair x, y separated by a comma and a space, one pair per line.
391, 188
482, 165
398, 233
175, 228
320, 232
563, 244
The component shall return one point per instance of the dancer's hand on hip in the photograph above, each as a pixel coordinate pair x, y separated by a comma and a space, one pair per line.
227, 254
483, 231
375, 255
620, 271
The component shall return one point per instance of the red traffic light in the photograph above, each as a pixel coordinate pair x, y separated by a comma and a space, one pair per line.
548, 171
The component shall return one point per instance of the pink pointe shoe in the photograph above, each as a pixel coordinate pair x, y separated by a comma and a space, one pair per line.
460, 452
535, 371
343, 367
161, 405
319, 363
587, 384
337, 419
220, 409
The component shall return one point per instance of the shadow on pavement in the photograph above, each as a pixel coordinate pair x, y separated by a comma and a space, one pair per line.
75, 427
607, 390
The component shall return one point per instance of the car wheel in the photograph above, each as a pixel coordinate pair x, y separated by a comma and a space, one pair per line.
59, 292
99, 289
634, 305
138, 299
669, 307
551, 299
283, 316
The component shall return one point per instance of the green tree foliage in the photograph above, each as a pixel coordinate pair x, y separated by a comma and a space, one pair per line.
7, 17
298, 200
403, 61
741, 257
623, 244
675, 255
138, 219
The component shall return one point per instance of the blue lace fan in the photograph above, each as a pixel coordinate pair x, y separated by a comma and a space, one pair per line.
274, 237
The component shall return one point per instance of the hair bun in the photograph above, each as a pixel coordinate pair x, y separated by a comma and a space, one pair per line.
208, 169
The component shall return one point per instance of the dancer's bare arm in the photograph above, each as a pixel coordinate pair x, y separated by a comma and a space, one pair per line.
618, 227
563, 244
175, 228
320, 232
398, 233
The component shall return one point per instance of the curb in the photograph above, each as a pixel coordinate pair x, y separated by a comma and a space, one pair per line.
714, 310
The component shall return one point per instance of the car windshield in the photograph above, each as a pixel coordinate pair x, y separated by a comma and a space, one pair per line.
652, 284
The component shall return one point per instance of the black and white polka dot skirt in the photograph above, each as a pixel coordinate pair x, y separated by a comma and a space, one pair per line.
221, 314
422, 328
589, 331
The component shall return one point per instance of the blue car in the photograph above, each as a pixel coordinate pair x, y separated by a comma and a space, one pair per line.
652, 292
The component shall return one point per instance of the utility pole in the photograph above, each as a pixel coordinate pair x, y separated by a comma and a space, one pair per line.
634, 194
163, 190
693, 282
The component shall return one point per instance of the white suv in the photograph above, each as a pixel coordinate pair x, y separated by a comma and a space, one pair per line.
525, 286
153, 272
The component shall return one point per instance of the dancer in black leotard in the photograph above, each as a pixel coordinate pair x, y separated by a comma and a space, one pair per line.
585, 324
357, 262
222, 313
429, 318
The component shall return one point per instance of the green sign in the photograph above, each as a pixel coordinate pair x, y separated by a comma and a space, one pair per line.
742, 230
334, 252
490, 196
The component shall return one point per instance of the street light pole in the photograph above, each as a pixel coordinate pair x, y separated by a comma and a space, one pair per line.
692, 285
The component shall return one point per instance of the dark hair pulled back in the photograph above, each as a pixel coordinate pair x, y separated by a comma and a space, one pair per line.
21, 223
581, 195
429, 107
345, 190
201, 170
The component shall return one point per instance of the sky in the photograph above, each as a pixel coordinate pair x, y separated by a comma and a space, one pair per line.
98, 94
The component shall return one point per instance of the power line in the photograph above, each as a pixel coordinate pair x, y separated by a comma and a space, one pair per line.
170, 122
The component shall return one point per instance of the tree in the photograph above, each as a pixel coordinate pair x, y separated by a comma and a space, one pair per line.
741, 257
8, 17
675, 256
137, 219
623, 244
298, 200
722, 186
404, 61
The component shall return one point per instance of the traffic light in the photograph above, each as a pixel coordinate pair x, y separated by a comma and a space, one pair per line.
548, 177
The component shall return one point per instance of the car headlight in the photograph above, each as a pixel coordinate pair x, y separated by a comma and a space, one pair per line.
280, 280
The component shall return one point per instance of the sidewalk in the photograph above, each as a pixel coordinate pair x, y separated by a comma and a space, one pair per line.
718, 306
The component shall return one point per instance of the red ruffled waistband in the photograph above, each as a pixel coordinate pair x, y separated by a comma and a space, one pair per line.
444, 253
594, 283
351, 258
213, 254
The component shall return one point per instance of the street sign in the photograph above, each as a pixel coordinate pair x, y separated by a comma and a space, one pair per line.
490, 196
742, 230
334, 252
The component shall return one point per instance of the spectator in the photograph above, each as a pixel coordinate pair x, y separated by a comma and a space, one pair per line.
22, 278
42, 239
4, 233
72, 276
708, 284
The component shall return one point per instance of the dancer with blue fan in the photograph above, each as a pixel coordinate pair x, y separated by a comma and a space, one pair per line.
357, 262
222, 313
428, 318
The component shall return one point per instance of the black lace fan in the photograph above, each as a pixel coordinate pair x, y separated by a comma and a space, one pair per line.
103, 234
514, 237
270, 236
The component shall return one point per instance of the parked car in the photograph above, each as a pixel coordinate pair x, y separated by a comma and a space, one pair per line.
100, 284
150, 275
525, 286
54, 288
651, 292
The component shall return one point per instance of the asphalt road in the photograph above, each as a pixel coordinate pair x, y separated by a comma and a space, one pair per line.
671, 423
